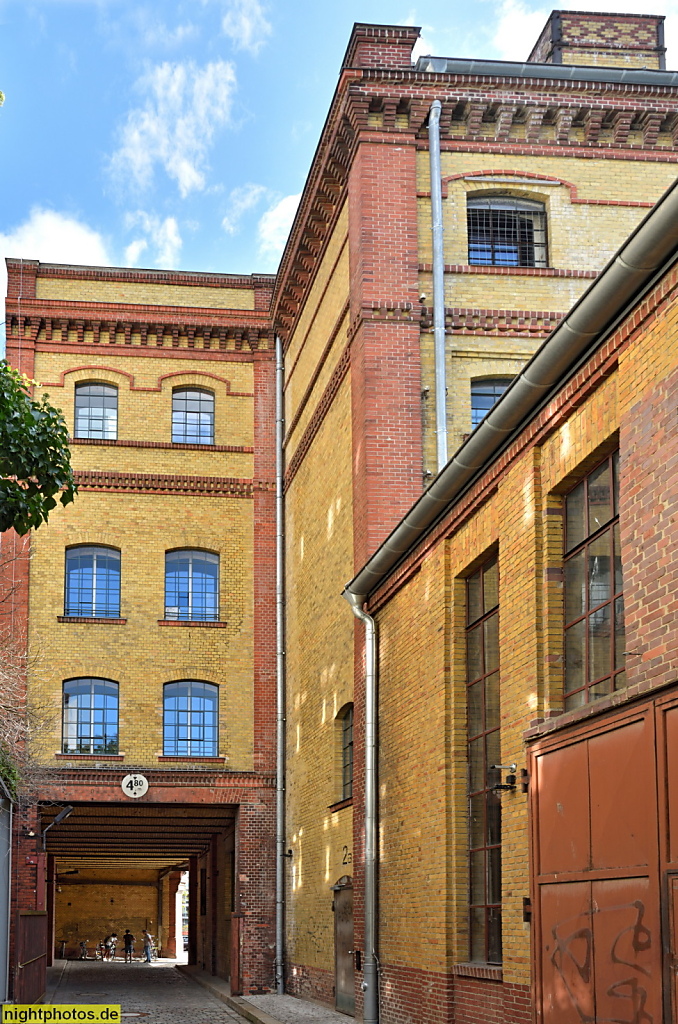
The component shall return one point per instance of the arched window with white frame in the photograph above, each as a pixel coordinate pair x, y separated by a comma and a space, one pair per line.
192, 585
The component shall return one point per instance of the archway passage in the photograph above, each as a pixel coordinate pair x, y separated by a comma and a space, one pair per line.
117, 866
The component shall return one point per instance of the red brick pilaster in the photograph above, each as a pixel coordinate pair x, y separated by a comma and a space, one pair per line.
264, 563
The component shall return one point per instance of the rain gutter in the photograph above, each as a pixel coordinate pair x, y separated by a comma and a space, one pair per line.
560, 72
617, 289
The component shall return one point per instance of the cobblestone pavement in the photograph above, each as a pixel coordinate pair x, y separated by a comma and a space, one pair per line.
289, 1010
157, 992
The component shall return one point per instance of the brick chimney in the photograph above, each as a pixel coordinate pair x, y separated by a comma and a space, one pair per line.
381, 46
602, 40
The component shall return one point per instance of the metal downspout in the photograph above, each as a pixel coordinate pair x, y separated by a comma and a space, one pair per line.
280, 673
438, 284
370, 983
4, 996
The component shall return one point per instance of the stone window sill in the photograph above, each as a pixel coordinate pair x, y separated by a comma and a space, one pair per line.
340, 804
200, 760
192, 622
488, 972
90, 620
90, 757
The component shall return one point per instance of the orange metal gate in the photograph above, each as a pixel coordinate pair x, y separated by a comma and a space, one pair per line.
604, 866
31, 970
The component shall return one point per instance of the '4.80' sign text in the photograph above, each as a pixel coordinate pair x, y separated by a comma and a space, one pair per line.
134, 785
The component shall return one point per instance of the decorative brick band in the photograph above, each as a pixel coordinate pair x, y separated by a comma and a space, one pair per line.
88, 324
91, 620
503, 322
239, 448
321, 410
168, 483
199, 625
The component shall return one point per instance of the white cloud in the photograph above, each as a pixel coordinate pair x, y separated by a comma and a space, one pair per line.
134, 250
518, 26
160, 235
246, 24
156, 33
174, 128
274, 227
52, 238
242, 199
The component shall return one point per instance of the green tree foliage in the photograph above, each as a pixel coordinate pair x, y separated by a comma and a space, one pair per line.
34, 457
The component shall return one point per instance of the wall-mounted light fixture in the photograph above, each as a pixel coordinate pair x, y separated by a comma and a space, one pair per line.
61, 816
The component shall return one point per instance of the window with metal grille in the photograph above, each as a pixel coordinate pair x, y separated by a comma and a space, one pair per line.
92, 582
484, 394
192, 416
192, 585
484, 750
594, 591
506, 232
90, 716
96, 411
190, 724
345, 720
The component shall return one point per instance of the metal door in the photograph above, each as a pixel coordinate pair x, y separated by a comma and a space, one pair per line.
344, 985
594, 830
31, 973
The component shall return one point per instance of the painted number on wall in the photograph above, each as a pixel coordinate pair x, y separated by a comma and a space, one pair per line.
347, 857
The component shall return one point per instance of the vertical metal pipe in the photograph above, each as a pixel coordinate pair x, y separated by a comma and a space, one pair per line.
280, 670
370, 983
438, 284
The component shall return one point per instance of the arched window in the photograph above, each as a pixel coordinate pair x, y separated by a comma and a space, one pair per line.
92, 582
345, 741
191, 715
485, 392
90, 716
192, 416
192, 585
96, 411
506, 232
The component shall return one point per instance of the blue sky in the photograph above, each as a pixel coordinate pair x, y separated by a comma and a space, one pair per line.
179, 134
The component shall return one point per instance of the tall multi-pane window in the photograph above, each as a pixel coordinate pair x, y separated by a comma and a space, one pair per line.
90, 716
486, 392
506, 232
192, 416
192, 586
594, 598
345, 722
484, 751
190, 719
92, 582
96, 411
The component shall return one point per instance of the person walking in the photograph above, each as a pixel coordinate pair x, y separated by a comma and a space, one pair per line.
110, 942
128, 940
148, 945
